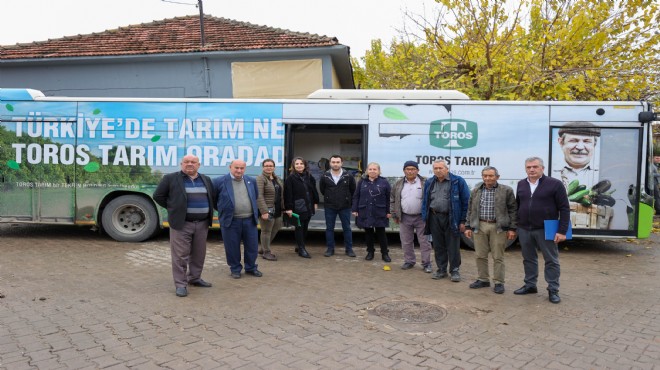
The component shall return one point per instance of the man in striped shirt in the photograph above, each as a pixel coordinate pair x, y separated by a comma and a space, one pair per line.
189, 197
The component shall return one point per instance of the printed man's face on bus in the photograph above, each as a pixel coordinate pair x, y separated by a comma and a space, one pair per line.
578, 149
190, 165
335, 164
237, 169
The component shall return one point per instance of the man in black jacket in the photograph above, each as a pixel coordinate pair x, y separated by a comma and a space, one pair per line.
541, 198
189, 198
337, 187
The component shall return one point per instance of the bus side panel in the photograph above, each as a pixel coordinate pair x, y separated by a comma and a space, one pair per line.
468, 137
222, 132
130, 145
37, 151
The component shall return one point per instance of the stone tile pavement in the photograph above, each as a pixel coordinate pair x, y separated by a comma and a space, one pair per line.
72, 299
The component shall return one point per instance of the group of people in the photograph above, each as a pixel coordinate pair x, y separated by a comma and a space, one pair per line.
437, 210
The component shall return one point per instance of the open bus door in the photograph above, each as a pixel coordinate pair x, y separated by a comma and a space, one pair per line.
316, 143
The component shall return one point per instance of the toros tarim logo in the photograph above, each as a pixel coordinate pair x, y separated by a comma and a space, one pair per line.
453, 134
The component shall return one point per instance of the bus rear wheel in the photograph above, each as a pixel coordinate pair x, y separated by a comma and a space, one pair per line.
130, 218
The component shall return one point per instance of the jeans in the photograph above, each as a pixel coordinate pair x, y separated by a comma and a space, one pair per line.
241, 229
345, 218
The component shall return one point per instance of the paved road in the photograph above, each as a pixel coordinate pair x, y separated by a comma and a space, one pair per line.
72, 299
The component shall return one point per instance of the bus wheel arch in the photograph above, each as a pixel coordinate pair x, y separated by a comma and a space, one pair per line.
130, 217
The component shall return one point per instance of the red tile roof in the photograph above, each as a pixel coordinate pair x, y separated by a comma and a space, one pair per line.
175, 35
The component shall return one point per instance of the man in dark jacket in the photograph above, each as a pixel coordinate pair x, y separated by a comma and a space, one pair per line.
444, 208
541, 198
337, 187
188, 196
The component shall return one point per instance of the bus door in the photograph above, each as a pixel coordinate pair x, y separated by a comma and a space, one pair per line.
38, 153
315, 132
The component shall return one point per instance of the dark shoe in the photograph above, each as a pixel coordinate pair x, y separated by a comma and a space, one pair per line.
480, 284
302, 252
407, 266
428, 269
526, 290
201, 283
350, 253
269, 257
439, 275
456, 277
386, 258
235, 275
370, 256
329, 252
295, 249
553, 296
255, 273
499, 288
261, 251
181, 292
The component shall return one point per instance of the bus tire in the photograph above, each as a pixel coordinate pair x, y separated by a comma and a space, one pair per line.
130, 218
468, 243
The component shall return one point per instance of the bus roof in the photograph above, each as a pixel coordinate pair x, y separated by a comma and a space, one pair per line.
346, 94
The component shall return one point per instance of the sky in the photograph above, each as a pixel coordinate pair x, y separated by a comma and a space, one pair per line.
353, 22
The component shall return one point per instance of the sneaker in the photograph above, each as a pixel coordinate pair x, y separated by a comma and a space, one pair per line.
407, 266
499, 288
428, 269
480, 284
439, 275
456, 276
329, 252
350, 253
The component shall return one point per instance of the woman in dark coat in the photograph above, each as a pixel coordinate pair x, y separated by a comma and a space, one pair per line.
300, 197
371, 208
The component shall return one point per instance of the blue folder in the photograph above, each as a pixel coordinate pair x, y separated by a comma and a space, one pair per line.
551, 227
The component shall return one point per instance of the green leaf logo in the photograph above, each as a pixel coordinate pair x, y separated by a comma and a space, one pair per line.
393, 113
13, 165
92, 167
9, 107
96, 111
155, 138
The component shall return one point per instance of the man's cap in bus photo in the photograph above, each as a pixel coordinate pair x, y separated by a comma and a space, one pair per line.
410, 164
580, 128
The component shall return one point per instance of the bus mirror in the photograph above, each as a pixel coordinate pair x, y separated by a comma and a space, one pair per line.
645, 117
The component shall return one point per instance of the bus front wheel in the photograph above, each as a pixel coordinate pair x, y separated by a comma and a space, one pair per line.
130, 218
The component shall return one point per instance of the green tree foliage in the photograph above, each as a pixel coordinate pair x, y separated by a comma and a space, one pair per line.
526, 50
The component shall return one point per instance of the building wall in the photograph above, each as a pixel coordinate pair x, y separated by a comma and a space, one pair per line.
169, 76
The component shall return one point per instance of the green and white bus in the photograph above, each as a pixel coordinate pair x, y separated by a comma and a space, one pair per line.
96, 161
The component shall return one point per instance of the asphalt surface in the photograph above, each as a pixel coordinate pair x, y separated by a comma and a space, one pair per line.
74, 299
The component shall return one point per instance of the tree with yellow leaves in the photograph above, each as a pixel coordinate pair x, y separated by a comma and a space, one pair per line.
526, 50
